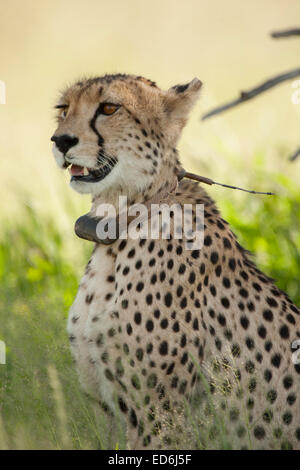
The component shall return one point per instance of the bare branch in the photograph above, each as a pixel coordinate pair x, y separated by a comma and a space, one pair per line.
295, 155
285, 33
248, 95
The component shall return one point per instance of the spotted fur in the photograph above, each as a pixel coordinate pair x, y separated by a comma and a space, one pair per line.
152, 319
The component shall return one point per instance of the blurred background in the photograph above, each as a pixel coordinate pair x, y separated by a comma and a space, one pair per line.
45, 45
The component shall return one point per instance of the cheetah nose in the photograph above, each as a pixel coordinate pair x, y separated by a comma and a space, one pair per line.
64, 142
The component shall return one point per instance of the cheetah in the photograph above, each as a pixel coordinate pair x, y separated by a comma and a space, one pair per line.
155, 325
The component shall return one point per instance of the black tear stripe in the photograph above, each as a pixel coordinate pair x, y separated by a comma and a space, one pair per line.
93, 125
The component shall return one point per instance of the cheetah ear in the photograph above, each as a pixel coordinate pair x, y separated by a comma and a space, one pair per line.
178, 102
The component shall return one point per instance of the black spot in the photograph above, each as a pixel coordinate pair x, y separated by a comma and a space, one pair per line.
252, 385
226, 282
170, 264
122, 245
287, 418
232, 264
213, 290
244, 275
109, 375
156, 313
291, 398
137, 318
221, 319
276, 360
290, 318
225, 302
284, 332
122, 405
179, 250
89, 299
268, 346
244, 322
288, 382
164, 323
149, 348
174, 382
163, 348
151, 246
257, 287
249, 343
179, 291
214, 257
250, 403
207, 240
182, 269
259, 357
168, 299
218, 271
262, 332
268, 315
226, 243
243, 293
131, 253
184, 358
259, 432
133, 418
149, 299
188, 316
149, 325
183, 341
268, 375
272, 302
268, 416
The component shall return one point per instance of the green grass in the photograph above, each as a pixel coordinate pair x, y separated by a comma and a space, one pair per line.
40, 407
41, 403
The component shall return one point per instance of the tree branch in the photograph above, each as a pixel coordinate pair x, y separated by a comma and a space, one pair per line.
252, 93
295, 155
286, 33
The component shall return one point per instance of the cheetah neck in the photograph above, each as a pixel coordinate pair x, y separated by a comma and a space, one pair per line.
164, 180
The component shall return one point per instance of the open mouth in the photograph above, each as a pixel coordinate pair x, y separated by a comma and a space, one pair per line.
87, 175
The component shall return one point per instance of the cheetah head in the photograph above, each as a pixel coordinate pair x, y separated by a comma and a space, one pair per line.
119, 132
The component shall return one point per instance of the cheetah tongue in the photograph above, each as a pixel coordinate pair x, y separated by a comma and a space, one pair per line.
76, 170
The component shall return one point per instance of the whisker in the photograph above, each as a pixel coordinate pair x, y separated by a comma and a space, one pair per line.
106, 160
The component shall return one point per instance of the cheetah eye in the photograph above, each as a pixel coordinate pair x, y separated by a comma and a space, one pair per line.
108, 108
64, 113
64, 110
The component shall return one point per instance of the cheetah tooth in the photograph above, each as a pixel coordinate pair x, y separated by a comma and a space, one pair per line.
85, 171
